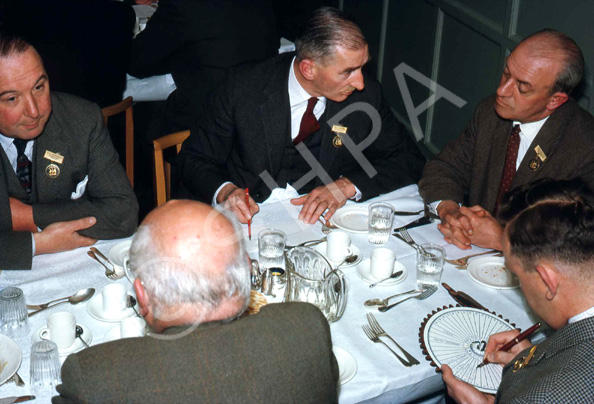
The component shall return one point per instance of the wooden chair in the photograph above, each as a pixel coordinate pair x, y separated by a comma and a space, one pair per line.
124, 105
163, 168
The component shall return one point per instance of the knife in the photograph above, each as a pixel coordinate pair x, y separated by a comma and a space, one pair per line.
416, 223
15, 399
462, 298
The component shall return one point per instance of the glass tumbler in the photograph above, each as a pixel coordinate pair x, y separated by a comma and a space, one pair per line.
14, 321
430, 260
271, 249
381, 216
45, 368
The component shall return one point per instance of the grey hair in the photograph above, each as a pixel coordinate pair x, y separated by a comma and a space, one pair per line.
12, 45
573, 60
171, 282
327, 29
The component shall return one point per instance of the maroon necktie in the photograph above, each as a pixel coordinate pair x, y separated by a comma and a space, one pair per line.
309, 123
509, 170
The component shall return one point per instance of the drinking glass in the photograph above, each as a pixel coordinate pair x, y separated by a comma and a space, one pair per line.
430, 259
381, 216
13, 312
271, 249
45, 368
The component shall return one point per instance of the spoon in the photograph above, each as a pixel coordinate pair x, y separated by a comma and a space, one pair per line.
131, 302
79, 332
79, 297
383, 302
394, 275
348, 260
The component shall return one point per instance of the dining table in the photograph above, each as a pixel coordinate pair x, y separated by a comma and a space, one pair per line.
379, 377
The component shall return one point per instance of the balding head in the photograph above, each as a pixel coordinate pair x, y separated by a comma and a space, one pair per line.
192, 264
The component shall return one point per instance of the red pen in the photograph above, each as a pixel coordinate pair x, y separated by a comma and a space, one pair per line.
514, 341
247, 201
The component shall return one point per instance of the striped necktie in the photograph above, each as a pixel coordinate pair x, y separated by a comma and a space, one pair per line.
23, 170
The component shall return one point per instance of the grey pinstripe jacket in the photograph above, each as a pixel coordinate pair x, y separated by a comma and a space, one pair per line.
561, 371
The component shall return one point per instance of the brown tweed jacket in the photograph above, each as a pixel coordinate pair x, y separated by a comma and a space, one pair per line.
281, 355
471, 166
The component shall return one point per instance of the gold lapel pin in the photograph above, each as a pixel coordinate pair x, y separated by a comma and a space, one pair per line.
337, 140
541, 155
55, 157
52, 171
534, 164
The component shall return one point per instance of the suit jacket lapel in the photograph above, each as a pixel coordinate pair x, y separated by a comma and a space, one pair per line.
328, 152
547, 138
498, 153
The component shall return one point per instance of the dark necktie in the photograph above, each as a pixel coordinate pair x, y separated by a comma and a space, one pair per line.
309, 123
23, 170
509, 170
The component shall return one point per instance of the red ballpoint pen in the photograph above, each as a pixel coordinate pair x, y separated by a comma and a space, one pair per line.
247, 201
514, 341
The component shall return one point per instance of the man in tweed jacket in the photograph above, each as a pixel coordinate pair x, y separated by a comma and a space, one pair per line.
192, 281
549, 245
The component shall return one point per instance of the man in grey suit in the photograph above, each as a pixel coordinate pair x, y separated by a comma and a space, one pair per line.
556, 140
61, 184
311, 120
192, 283
549, 245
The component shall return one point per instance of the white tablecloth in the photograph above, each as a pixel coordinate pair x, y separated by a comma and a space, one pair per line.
380, 377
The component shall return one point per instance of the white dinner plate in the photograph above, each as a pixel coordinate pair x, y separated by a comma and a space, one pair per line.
491, 272
364, 272
10, 358
321, 248
347, 365
117, 254
95, 309
76, 346
351, 218
457, 337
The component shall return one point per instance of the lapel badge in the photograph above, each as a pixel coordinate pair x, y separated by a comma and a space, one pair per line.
534, 164
541, 155
522, 363
55, 157
337, 140
52, 171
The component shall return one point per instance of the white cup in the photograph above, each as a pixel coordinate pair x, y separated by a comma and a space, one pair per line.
382, 262
338, 246
132, 327
61, 329
114, 298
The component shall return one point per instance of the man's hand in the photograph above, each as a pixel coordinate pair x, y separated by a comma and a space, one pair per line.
63, 236
22, 216
487, 232
463, 392
496, 341
233, 198
331, 197
454, 226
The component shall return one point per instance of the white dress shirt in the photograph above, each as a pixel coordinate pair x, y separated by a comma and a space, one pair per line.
582, 316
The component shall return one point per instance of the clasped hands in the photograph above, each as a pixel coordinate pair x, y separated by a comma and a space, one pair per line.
463, 226
463, 392
325, 198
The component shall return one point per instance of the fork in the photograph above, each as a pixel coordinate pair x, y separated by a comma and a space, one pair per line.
110, 273
464, 260
426, 293
308, 243
409, 240
17, 380
380, 332
374, 338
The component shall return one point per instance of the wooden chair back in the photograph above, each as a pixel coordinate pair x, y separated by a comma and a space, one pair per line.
124, 106
163, 168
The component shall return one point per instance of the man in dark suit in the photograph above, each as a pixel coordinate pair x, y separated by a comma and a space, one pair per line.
556, 140
61, 184
311, 120
196, 41
548, 244
192, 283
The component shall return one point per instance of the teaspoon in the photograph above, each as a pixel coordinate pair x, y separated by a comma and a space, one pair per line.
79, 332
394, 275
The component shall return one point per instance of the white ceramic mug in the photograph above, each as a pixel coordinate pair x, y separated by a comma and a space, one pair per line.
114, 298
61, 329
338, 246
382, 263
132, 327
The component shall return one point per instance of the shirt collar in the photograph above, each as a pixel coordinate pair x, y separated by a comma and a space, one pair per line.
297, 93
531, 129
582, 316
5, 141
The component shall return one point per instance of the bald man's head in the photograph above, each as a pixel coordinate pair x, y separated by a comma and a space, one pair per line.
190, 256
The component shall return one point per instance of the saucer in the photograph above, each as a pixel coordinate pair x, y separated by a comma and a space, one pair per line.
321, 248
364, 272
77, 346
347, 365
95, 309
118, 254
10, 358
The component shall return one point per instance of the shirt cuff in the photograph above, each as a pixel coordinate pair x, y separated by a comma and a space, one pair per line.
358, 195
33, 245
214, 198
